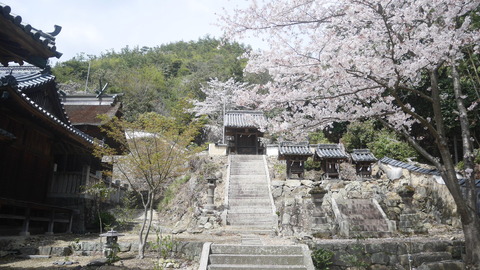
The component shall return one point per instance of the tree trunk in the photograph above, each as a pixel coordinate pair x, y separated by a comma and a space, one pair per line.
141, 239
471, 225
472, 242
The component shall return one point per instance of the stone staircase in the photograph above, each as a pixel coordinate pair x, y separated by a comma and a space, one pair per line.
237, 257
249, 200
362, 218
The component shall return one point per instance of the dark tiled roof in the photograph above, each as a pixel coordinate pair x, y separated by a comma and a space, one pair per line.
325, 151
243, 119
21, 42
295, 149
363, 155
67, 126
30, 78
27, 77
462, 181
6, 136
409, 167
88, 114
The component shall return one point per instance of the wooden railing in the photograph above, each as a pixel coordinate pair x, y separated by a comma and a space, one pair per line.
30, 211
72, 185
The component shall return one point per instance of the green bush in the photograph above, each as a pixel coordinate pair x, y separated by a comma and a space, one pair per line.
322, 258
310, 164
358, 135
317, 137
476, 153
108, 220
388, 144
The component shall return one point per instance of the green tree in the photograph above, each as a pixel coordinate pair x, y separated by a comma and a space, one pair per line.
159, 149
388, 144
358, 135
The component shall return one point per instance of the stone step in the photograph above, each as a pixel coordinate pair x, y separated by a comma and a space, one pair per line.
319, 220
245, 174
369, 228
250, 217
247, 201
256, 259
256, 267
247, 198
260, 250
370, 234
365, 215
425, 257
443, 265
251, 163
251, 224
249, 189
251, 240
246, 209
245, 157
258, 230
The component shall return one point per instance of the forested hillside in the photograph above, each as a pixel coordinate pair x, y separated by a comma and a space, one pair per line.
154, 79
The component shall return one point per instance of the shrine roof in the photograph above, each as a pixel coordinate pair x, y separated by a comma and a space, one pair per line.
396, 163
28, 77
243, 119
88, 114
6, 136
330, 151
27, 83
462, 182
23, 43
362, 155
294, 149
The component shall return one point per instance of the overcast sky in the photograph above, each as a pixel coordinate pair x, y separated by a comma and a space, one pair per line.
95, 26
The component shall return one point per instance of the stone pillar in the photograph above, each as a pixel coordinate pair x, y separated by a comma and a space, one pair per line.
409, 220
210, 193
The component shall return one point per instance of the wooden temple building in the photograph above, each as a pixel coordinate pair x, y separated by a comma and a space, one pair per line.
83, 112
295, 155
330, 157
45, 160
242, 134
363, 160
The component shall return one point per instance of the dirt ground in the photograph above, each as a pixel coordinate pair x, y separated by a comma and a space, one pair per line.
127, 260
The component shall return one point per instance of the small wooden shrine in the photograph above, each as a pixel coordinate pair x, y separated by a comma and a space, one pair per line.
295, 155
363, 160
242, 133
330, 156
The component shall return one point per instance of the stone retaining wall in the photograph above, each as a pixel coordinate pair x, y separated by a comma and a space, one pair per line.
392, 253
184, 249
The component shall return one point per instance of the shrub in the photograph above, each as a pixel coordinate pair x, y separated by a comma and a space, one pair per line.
358, 135
388, 144
310, 164
108, 220
322, 258
317, 137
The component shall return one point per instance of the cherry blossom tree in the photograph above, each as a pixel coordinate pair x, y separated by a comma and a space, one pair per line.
354, 59
219, 97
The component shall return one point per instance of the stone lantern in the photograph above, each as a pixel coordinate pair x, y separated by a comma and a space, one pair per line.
110, 247
212, 183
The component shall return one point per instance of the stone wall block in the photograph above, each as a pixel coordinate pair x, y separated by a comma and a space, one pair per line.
380, 258
124, 247
61, 251
44, 250
28, 250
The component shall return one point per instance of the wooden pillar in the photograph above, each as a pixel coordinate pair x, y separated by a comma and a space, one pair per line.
26, 223
51, 223
69, 226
